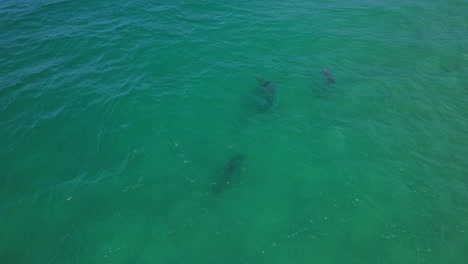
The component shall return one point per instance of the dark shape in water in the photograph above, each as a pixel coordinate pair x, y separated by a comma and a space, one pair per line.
267, 90
225, 179
327, 73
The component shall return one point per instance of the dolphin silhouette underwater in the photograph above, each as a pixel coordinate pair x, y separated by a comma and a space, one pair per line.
327, 73
267, 90
224, 180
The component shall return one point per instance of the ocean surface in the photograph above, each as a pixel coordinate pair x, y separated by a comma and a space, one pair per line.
136, 131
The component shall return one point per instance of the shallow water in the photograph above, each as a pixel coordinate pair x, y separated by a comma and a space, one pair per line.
116, 118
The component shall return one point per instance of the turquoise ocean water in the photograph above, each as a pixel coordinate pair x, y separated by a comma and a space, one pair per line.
117, 118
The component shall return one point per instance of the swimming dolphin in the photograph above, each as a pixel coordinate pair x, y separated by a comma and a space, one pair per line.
327, 73
224, 180
267, 89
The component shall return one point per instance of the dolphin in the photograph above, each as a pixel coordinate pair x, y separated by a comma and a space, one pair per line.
327, 73
267, 89
230, 169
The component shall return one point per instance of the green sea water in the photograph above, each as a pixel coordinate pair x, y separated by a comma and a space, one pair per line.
118, 117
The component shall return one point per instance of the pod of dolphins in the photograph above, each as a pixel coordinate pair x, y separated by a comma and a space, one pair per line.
233, 167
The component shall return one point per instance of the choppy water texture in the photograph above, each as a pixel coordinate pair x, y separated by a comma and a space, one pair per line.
119, 119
